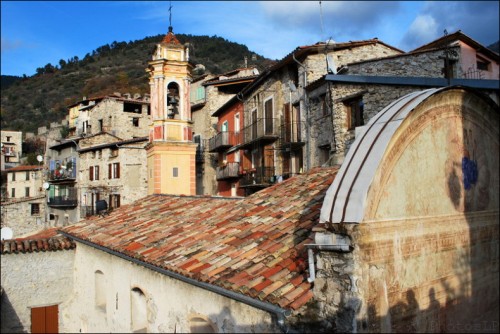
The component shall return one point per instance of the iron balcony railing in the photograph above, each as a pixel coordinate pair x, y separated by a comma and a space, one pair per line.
291, 136
264, 129
68, 200
223, 140
258, 177
230, 170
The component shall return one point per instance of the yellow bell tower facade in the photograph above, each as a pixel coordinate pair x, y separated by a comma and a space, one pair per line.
171, 152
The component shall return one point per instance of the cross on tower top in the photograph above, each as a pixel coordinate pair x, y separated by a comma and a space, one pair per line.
170, 17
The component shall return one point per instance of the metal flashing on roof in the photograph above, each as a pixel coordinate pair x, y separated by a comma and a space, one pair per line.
345, 200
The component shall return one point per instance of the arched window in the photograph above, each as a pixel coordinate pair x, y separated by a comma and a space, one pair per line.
139, 314
100, 291
201, 324
173, 101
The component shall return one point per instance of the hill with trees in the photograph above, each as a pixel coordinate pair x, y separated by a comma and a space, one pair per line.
31, 102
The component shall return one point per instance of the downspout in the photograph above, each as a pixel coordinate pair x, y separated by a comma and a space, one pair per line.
306, 106
278, 312
326, 242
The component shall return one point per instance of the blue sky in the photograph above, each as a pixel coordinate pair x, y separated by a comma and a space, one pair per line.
35, 33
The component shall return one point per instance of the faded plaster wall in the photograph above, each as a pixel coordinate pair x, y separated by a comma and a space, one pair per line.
426, 255
170, 302
34, 280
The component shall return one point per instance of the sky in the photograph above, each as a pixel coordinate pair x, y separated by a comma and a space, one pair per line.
36, 33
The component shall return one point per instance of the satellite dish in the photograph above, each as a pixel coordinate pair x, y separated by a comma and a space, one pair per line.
45, 185
39, 158
6, 233
330, 64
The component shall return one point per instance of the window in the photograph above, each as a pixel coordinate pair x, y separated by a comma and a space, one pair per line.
132, 107
325, 108
114, 170
482, 65
27, 192
35, 209
114, 201
139, 311
324, 154
135, 121
175, 172
27, 176
101, 128
100, 291
268, 114
94, 173
8, 138
355, 109
14, 176
13, 193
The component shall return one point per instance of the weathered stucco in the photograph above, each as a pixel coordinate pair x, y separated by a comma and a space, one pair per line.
170, 303
34, 280
425, 256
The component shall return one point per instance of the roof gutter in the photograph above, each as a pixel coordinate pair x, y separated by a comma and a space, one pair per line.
278, 312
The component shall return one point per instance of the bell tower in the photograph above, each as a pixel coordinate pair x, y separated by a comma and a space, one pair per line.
171, 152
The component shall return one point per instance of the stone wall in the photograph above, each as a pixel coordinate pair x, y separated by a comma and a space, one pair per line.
169, 306
428, 64
17, 215
132, 183
34, 280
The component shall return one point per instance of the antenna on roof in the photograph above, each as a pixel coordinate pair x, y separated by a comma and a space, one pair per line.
321, 20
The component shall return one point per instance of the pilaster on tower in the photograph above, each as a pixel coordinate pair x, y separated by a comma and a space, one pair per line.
171, 152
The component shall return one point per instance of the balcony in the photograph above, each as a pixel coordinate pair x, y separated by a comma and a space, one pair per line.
62, 197
291, 136
223, 141
262, 131
259, 177
62, 170
229, 171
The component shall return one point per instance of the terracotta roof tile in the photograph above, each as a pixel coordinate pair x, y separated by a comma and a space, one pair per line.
253, 245
47, 240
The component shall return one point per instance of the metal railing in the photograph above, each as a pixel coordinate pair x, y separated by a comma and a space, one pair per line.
291, 132
223, 140
263, 128
258, 177
230, 170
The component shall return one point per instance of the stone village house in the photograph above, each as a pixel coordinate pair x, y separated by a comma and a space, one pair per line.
264, 263
407, 241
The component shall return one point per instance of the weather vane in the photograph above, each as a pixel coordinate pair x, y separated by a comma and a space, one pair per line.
170, 17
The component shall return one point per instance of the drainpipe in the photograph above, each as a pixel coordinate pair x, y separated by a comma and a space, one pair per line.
308, 141
276, 311
326, 242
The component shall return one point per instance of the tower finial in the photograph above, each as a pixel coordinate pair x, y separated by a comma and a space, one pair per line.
170, 17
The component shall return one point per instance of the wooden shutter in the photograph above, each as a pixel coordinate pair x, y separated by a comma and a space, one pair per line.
91, 173
45, 319
110, 171
117, 170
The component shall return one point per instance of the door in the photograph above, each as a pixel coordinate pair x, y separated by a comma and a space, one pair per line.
45, 319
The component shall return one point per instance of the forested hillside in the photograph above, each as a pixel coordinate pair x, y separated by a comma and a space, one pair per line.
30, 102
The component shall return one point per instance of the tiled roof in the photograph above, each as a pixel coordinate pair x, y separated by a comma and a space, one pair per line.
254, 245
24, 168
170, 38
47, 240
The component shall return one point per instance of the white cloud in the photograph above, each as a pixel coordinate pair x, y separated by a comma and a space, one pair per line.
423, 29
